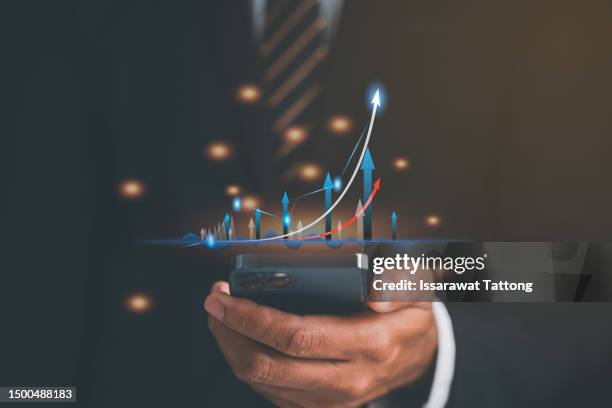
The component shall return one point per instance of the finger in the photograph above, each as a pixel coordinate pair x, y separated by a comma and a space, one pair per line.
386, 307
352, 394
322, 337
220, 286
255, 363
391, 301
284, 397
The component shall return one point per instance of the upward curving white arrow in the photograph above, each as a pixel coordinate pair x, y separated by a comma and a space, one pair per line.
376, 103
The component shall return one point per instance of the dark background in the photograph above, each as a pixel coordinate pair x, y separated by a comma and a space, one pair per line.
503, 108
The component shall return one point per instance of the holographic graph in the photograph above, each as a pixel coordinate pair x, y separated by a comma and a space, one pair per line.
225, 233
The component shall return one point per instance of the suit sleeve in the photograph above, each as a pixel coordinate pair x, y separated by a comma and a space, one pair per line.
516, 355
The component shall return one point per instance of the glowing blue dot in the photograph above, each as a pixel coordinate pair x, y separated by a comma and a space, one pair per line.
337, 183
210, 241
287, 220
237, 204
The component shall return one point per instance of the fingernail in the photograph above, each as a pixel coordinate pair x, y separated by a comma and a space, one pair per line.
220, 287
214, 307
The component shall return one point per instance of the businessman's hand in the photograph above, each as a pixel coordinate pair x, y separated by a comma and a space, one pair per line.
310, 361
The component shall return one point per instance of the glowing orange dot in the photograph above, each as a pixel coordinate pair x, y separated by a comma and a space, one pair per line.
250, 202
310, 172
131, 189
433, 220
295, 134
248, 93
340, 124
232, 190
139, 303
401, 163
219, 151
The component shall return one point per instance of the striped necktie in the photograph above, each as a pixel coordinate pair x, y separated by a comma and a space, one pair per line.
293, 49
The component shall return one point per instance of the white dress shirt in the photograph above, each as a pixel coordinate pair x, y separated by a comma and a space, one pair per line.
445, 362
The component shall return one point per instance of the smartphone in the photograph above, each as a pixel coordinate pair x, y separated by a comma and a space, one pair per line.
303, 284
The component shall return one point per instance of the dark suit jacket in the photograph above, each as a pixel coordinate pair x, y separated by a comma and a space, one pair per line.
504, 107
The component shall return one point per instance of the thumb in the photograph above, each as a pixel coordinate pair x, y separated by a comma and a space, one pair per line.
220, 286
389, 300
386, 307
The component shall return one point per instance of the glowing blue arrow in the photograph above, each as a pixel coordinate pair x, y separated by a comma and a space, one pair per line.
375, 104
258, 224
367, 166
286, 219
226, 221
328, 185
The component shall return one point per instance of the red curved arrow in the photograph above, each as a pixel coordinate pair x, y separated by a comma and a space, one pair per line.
352, 220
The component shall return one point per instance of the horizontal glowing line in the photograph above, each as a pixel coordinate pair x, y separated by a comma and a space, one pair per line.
180, 242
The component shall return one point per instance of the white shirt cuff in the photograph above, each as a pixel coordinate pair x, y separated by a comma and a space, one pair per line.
445, 362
